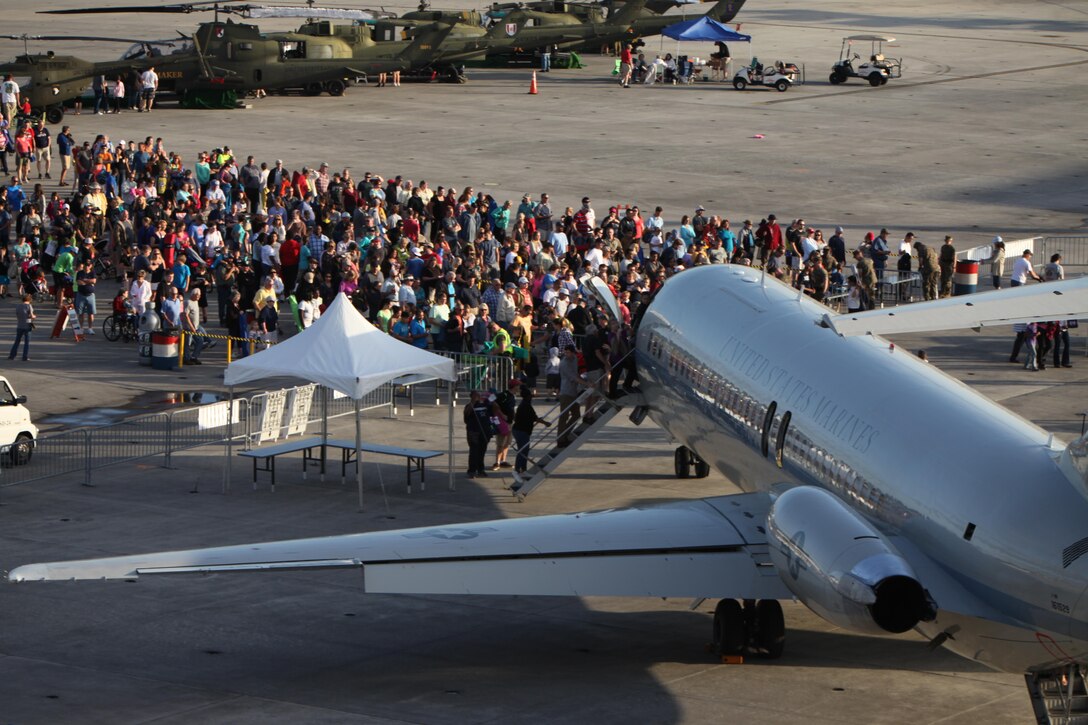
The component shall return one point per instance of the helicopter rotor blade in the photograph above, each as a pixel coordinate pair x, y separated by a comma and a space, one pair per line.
185, 8
88, 38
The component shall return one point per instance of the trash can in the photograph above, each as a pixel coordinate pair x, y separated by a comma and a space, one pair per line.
148, 321
145, 349
965, 280
164, 350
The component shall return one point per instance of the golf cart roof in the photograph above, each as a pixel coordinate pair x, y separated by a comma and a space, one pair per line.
871, 38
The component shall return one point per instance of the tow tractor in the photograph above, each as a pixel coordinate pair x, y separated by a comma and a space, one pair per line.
780, 75
877, 70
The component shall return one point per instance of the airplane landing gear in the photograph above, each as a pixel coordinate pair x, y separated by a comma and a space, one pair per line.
685, 459
757, 628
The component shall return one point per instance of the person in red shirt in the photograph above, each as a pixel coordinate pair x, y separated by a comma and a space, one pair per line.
626, 64
290, 251
410, 227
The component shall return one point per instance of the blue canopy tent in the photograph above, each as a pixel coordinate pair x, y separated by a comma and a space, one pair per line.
704, 29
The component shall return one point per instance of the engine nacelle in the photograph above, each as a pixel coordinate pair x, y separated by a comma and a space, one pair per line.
841, 567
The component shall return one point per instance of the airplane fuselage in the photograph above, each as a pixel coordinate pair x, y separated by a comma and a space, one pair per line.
949, 475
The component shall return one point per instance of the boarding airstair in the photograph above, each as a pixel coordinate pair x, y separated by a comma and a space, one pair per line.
600, 411
1059, 696
596, 417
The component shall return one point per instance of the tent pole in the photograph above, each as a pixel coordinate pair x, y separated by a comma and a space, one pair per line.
358, 453
324, 428
230, 439
449, 454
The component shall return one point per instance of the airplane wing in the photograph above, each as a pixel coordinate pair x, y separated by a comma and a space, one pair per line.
1062, 300
709, 548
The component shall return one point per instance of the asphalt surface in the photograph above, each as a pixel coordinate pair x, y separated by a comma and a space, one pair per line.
976, 139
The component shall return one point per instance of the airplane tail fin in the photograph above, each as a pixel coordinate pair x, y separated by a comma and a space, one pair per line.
725, 10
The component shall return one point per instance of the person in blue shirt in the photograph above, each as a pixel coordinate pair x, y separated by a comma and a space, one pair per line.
402, 328
729, 239
181, 275
171, 309
16, 197
64, 148
418, 329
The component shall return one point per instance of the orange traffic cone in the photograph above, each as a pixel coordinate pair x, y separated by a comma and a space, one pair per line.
532, 85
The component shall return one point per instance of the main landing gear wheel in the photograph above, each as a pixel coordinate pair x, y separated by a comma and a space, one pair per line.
54, 114
684, 461
729, 635
757, 627
770, 628
681, 462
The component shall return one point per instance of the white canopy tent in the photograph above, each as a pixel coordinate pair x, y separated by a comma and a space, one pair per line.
343, 352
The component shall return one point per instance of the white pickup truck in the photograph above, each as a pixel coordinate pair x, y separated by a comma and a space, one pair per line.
17, 433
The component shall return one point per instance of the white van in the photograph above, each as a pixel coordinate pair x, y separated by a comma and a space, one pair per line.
17, 433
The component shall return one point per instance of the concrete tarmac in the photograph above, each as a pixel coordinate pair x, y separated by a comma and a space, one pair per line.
976, 139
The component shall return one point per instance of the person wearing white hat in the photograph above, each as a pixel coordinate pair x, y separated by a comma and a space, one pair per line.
997, 261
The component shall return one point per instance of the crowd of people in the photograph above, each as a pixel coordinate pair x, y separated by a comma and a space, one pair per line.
437, 267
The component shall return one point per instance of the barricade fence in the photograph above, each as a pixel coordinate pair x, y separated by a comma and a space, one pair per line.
257, 419
1074, 250
261, 417
220, 348
478, 371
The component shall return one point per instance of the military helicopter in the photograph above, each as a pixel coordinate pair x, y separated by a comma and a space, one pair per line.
566, 25
512, 31
48, 81
226, 58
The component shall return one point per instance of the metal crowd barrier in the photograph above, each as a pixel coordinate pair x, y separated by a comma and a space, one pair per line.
479, 371
141, 437
1074, 250
232, 346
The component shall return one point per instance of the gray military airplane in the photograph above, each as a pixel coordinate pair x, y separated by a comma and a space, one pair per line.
877, 521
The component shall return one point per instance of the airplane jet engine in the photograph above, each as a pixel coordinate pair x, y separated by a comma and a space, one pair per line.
841, 567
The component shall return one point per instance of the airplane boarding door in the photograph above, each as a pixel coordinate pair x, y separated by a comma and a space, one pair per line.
606, 301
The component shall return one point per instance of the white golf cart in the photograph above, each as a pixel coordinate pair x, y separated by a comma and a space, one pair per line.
877, 69
779, 76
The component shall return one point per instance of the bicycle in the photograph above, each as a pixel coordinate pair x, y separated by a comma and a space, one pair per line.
117, 327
